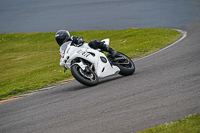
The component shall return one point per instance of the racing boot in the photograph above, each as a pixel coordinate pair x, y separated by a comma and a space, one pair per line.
108, 49
112, 52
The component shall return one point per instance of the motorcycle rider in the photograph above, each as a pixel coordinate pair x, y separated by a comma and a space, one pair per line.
63, 36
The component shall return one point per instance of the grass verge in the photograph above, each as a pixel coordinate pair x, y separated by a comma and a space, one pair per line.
30, 61
190, 124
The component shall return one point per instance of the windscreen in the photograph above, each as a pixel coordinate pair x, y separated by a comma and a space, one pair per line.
63, 48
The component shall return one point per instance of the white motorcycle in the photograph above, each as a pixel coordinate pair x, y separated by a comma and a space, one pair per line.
87, 65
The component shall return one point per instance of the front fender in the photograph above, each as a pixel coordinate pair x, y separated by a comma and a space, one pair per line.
80, 64
83, 54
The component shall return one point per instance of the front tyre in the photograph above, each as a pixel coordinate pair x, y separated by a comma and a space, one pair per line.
86, 77
126, 66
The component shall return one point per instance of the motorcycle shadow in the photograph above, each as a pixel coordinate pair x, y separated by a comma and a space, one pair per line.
75, 85
78, 86
115, 78
109, 79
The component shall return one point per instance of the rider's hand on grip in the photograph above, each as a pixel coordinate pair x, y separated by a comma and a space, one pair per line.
80, 41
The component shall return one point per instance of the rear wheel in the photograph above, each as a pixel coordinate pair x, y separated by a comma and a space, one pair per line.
126, 65
86, 77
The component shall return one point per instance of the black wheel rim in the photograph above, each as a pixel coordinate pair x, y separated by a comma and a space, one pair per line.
126, 63
89, 75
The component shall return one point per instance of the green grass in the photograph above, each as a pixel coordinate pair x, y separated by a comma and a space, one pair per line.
30, 61
190, 124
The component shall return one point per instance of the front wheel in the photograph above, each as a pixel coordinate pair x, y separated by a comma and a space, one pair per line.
86, 77
126, 65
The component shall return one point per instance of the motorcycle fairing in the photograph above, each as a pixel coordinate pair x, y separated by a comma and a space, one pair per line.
101, 69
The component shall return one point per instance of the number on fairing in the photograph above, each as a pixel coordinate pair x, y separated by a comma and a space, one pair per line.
84, 53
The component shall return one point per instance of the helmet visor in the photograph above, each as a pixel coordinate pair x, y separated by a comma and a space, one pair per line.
59, 41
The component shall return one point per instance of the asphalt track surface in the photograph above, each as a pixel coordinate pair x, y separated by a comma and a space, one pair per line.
164, 88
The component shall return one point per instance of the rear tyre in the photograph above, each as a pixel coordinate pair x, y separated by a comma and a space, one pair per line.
126, 66
86, 77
